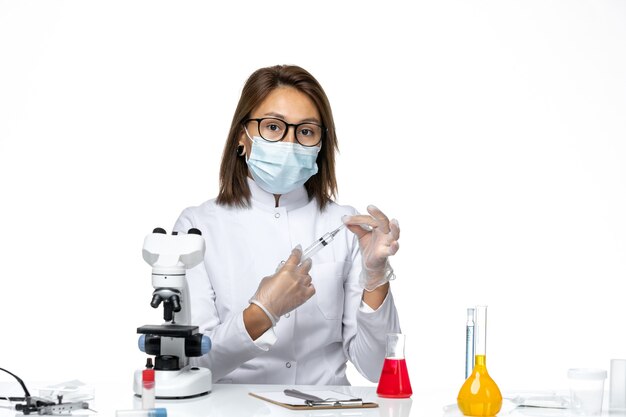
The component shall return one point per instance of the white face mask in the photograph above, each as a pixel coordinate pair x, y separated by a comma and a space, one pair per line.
281, 167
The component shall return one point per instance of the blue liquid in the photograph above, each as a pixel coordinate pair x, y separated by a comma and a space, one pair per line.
469, 351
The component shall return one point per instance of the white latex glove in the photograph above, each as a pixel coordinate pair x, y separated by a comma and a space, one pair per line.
378, 239
287, 289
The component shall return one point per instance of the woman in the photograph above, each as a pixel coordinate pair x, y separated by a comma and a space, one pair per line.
303, 320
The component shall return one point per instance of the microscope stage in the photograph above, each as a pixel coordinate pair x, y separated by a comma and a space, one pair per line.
171, 330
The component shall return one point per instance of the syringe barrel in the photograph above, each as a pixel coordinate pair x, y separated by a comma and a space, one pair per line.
319, 244
316, 247
312, 250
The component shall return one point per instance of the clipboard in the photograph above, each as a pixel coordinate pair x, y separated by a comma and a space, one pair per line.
340, 400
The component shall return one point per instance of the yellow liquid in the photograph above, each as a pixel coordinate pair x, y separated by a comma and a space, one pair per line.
479, 395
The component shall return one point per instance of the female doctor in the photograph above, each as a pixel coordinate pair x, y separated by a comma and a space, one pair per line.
301, 322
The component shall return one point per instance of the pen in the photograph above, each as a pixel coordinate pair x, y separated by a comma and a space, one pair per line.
332, 403
302, 395
313, 400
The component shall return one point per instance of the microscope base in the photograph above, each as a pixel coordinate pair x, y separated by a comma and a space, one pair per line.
189, 382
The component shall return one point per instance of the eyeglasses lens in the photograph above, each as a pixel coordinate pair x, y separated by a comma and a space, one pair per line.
307, 134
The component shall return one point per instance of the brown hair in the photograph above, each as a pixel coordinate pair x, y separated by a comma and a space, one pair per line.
234, 190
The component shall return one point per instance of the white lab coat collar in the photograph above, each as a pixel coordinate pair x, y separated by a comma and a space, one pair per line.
289, 201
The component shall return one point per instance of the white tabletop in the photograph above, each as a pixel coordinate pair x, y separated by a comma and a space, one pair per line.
232, 400
227, 400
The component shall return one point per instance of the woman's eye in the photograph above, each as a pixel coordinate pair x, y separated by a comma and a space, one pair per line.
308, 131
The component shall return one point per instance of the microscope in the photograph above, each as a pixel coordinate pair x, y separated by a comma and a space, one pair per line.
175, 341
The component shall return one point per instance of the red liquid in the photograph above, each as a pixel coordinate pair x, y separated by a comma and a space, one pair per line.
394, 380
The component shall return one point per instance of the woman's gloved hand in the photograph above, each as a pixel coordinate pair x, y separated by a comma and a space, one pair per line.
287, 289
378, 239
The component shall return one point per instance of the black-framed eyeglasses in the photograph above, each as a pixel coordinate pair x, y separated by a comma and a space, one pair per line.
275, 130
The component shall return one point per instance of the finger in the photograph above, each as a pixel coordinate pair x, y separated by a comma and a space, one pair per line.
294, 258
305, 266
393, 247
394, 226
310, 291
383, 221
358, 231
360, 220
307, 281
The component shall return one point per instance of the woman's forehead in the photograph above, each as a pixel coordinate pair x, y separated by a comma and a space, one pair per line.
289, 104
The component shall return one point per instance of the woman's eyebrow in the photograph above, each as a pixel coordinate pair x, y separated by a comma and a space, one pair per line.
282, 117
276, 115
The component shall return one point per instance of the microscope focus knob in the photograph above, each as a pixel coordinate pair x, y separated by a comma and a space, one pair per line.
194, 231
159, 230
166, 363
197, 345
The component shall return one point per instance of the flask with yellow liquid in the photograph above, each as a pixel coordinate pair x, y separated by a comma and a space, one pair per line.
480, 396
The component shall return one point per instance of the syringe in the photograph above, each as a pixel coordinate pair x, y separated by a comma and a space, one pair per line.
320, 243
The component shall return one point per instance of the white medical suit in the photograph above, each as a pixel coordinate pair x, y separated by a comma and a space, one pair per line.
309, 345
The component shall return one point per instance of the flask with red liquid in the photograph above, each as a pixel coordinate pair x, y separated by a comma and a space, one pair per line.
394, 379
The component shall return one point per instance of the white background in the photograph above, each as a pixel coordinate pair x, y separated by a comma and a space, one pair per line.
493, 130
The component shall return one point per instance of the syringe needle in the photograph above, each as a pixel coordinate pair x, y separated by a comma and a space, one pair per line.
337, 230
320, 243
